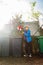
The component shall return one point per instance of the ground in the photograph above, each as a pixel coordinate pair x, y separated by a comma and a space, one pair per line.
21, 61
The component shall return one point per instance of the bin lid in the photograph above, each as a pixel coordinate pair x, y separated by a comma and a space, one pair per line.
39, 37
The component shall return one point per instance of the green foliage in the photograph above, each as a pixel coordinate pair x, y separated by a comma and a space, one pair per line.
35, 14
33, 4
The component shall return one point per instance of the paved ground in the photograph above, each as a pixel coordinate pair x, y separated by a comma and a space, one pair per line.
21, 61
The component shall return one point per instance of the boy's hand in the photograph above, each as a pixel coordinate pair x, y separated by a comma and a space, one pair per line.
22, 32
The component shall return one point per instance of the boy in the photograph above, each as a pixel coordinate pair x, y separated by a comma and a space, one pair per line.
28, 40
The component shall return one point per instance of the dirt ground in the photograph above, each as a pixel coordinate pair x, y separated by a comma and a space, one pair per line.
21, 61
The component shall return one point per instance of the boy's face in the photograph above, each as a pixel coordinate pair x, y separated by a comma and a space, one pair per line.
26, 28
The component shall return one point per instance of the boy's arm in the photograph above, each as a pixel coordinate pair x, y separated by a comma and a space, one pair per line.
27, 34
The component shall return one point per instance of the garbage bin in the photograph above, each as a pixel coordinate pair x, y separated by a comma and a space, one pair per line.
40, 43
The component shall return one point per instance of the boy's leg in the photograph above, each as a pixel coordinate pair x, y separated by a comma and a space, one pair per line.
26, 48
29, 48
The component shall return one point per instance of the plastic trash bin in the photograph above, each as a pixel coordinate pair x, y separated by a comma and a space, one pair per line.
40, 43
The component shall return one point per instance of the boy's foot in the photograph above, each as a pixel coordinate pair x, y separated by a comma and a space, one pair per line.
30, 55
25, 55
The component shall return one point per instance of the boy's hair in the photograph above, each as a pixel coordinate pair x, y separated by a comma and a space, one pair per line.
26, 26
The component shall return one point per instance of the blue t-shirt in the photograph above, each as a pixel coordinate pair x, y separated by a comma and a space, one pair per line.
27, 36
